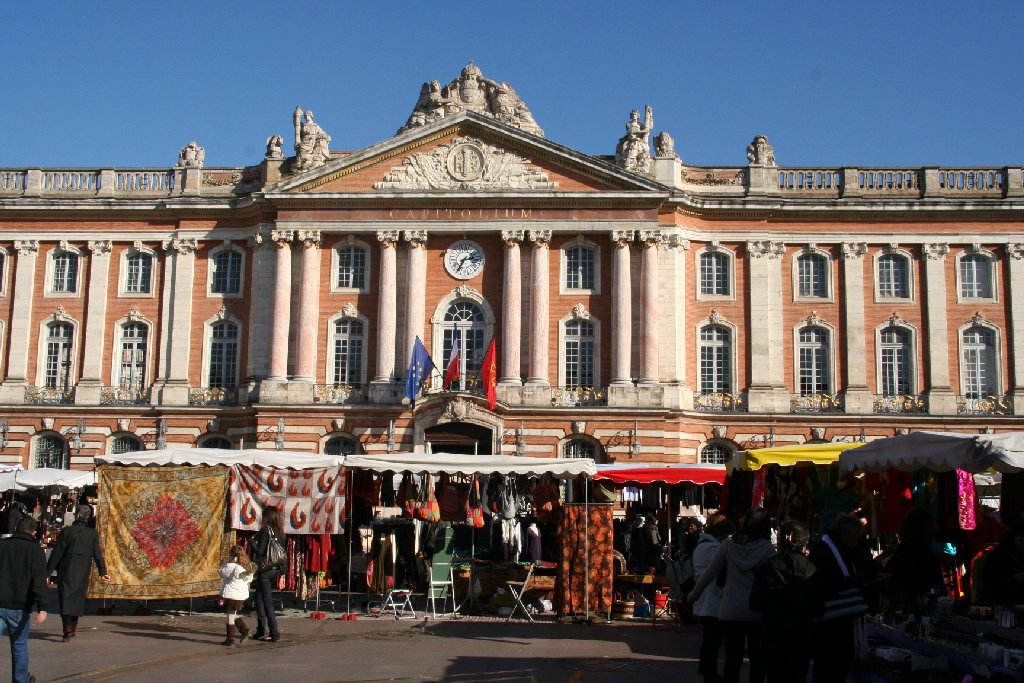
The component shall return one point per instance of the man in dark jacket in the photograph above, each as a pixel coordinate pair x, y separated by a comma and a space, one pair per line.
22, 589
76, 549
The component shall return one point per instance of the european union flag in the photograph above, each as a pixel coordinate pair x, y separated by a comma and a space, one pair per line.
420, 367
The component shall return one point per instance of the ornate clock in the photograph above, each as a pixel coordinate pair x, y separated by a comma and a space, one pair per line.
464, 259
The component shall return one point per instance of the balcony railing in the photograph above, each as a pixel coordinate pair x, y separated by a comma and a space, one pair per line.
900, 404
720, 403
571, 397
984, 405
816, 403
49, 396
124, 396
339, 394
213, 396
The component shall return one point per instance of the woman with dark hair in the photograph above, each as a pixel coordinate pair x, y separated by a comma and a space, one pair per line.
741, 626
267, 575
706, 607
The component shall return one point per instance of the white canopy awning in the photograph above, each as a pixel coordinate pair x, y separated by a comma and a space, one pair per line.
458, 463
1000, 452
219, 456
46, 476
939, 451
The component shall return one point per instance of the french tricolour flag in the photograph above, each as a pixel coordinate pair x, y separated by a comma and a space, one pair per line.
451, 371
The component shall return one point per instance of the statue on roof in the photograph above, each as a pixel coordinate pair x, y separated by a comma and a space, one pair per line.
633, 152
311, 142
665, 146
274, 143
471, 91
191, 156
760, 153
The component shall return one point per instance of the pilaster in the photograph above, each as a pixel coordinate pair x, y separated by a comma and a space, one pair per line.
857, 398
415, 295
941, 397
88, 390
282, 305
13, 388
261, 316
387, 318
309, 307
176, 386
767, 392
1015, 290
622, 311
650, 331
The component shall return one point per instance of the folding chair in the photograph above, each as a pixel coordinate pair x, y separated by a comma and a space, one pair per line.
518, 590
398, 600
442, 576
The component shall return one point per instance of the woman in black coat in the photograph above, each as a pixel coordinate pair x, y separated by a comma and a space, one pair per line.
267, 576
76, 549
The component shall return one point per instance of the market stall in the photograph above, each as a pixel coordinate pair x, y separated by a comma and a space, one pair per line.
21, 480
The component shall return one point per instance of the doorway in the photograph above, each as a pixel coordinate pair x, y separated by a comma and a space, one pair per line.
459, 437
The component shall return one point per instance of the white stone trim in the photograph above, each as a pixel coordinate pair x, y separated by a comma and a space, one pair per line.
119, 434
351, 241
894, 250
133, 316
62, 248
136, 247
814, 321
600, 454
563, 273
349, 312
813, 249
5, 268
228, 245
716, 441
997, 352
993, 271
76, 339
716, 319
579, 313
223, 315
342, 435
915, 352
714, 247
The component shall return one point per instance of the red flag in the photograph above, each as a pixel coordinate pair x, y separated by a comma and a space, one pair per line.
489, 375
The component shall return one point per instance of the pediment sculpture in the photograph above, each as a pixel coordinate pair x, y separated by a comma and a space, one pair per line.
633, 152
311, 142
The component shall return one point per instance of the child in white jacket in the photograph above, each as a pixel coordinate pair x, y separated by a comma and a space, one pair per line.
237, 574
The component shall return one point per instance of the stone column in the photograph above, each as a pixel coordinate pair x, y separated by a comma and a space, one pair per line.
540, 292
281, 323
415, 293
512, 318
261, 316
622, 312
857, 399
651, 326
309, 307
941, 397
175, 389
1015, 290
13, 388
387, 306
767, 392
88, 390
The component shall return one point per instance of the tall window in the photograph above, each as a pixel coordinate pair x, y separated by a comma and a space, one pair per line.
224, 355
352, 267
716, 454
975, 276
57, 372
348, 352
340, 445
814, 366
227, 272
65, 271
893, 277
812, 275
579, 268
714, 273
579, 354
138, 274
466, 317
579, 448
133, 356
979, 366
125, 444
50, 451
715, 356
895, 362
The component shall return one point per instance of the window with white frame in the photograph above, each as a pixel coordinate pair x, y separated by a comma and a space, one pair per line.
138, 273
341, 445
979, 363
348, 344
468, 319
226, 277
65, 272
715, 360
896, 361
223, 355
58, 356
579, 354
125, 444
894, 276
813, 349
134, 349
351, 260
579, 268
976, 276
716, 454
50, 451
579, 448
715, 278
812, 276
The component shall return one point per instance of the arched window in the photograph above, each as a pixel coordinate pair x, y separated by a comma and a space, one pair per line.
59, 340
341, 445
579, 354
979, 363
351, 267
216, 442
50, 451
893, 277
815, 376
716, 454
579, 448
65, 272
895, 347
134, 337
975, 276
125, 444
227, 272
579, 268
468, 319
714, 273
223, 355
138, 274
348, 352
715, 360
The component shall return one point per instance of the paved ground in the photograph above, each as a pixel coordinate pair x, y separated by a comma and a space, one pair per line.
178, 647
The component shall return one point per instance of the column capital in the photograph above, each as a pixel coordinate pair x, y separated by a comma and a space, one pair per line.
652, 238
27, 247
258, 241
1015, 250
676, 241
387, 238
854, 251
512, 238
281, 238
935, 251
622, 238
100, 247
310, 238
541, 238
765, 249
417, 239
184, 246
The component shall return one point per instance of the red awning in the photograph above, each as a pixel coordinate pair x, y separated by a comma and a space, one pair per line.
683, 474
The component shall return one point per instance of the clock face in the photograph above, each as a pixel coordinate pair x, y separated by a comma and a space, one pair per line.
464, 259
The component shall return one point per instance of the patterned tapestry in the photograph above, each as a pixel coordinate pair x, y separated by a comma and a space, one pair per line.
162, 531
311, 501
582, 534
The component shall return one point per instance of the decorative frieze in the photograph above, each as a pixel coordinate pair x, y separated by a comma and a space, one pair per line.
27, 247
765, 249
1015, 250
935, 251
854, 251
100, 247
184, 246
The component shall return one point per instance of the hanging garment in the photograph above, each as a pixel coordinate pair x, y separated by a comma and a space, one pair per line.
967, 500
630, 494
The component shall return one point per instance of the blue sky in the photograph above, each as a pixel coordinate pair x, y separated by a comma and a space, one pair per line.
90, 84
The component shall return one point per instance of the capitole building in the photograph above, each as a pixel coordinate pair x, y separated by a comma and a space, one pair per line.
643, 309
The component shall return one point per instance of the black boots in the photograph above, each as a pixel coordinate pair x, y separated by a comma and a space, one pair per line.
230, 640
243, 630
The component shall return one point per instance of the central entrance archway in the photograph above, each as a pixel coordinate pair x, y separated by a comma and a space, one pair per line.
459, 437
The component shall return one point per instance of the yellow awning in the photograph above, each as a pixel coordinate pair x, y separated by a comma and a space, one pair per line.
802, 454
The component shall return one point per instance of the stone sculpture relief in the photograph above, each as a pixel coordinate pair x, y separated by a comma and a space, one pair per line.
665, 146
471, 91
760, 153
633, 152
465, 164
274, 143
191, 156
311, 142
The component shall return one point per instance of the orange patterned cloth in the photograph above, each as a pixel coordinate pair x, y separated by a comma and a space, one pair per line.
162, 530
581, 534
311, 501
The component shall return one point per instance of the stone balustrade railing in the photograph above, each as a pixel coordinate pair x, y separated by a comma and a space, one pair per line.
126, 183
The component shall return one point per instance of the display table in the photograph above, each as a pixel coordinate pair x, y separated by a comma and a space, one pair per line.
961, 660
646, 585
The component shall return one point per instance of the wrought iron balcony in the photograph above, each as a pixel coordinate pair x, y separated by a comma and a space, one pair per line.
816, 403
984, 405
49, 396
571, 397
900, 404
124, 396
339, 394
720, 403
213, 396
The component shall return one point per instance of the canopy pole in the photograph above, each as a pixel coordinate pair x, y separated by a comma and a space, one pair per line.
671, 519
586, 548
351, 533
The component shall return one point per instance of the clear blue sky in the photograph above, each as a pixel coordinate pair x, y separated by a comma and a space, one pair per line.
90, 84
